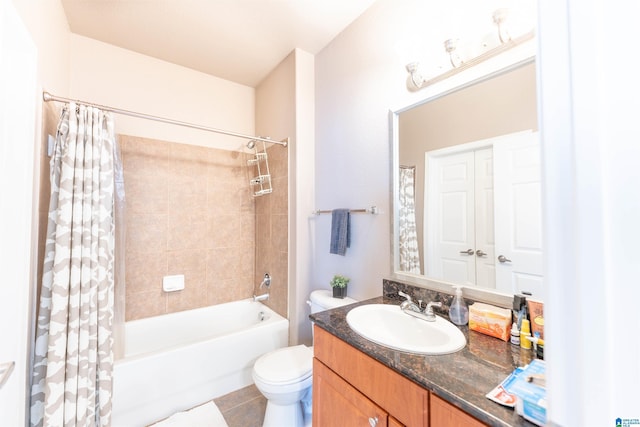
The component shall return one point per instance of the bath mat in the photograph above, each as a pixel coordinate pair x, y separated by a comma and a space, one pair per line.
206, 415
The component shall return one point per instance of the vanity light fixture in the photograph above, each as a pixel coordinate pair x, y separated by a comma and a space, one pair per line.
500, 18
417, 80
415, 76
450, 46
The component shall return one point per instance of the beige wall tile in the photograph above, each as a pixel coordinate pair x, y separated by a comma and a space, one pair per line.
186, 299
146, 232
190, 211
146, 304
279, 235
144, 271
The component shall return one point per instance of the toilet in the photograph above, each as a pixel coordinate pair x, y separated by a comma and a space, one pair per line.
284, 375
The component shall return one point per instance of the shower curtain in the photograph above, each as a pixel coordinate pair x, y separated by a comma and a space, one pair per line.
408, 237
73, 360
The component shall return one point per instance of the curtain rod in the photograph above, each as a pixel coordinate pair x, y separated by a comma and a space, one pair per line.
46, 96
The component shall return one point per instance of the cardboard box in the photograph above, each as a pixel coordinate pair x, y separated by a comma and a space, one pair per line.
490, 320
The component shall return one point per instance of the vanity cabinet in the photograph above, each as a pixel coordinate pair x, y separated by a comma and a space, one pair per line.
445, 414
352, 388
337, 403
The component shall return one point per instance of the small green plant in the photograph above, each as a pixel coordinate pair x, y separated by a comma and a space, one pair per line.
339, 281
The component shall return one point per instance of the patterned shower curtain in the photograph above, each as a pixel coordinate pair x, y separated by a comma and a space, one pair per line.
409, 255
72, 372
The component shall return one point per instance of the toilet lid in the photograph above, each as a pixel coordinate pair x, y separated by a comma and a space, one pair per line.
285, 365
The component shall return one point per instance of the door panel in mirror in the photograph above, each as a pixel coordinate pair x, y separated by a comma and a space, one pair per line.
519, 237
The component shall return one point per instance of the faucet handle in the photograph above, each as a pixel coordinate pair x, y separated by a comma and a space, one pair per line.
266, 281
429, 310
408, 297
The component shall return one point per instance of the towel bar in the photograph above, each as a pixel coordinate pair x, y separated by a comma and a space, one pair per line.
372, 210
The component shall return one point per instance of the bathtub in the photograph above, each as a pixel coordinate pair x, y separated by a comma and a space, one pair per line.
180, 360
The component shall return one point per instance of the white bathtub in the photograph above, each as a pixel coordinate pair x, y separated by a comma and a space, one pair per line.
180, 360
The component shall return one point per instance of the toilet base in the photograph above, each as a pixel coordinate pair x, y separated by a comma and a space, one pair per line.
284, 415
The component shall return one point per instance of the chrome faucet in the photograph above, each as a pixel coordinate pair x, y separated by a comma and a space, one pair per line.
415, 310
266, 281
408, 304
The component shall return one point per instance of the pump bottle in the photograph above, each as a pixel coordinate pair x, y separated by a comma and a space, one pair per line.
459, 312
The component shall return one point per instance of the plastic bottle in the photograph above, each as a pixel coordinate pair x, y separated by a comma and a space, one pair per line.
515, 334
459, 312
525, 332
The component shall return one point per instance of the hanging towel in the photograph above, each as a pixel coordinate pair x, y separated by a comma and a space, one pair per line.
340, 231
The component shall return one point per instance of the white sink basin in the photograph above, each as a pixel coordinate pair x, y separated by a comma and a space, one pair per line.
387, 325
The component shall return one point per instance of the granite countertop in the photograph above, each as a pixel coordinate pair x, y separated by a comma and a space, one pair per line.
461, 378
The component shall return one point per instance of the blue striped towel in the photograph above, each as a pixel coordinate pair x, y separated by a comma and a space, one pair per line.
340, 231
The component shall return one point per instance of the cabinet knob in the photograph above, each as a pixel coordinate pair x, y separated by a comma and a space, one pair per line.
373, 421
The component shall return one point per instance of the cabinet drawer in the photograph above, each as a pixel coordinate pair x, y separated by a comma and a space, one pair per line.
405, 400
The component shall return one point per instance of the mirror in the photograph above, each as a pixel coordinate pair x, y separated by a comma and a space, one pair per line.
465, 165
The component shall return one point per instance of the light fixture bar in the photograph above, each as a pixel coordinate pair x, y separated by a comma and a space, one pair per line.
478, 59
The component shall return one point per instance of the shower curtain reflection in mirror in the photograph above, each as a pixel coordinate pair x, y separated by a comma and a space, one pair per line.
408, 237
73, 354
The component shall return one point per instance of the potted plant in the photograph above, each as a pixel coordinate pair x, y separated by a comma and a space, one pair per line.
339, 285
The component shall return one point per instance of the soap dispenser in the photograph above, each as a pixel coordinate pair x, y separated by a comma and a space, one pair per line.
459, 312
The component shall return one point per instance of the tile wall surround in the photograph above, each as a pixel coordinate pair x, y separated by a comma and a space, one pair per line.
272, 238
189, 210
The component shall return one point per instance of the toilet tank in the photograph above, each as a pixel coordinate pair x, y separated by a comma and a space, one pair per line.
323, 299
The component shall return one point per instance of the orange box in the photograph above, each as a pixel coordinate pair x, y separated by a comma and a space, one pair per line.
490, 320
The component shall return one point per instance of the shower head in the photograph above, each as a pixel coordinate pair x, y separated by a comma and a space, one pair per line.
251, 144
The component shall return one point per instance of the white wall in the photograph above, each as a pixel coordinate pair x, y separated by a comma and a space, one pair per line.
49, 30
358, 80
302, 169
105, 74
284, 107
589, 105
17, 140
360, 76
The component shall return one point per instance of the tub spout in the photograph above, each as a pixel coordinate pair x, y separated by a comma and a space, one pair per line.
262, 297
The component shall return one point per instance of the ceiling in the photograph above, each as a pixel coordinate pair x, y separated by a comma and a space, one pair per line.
237, 40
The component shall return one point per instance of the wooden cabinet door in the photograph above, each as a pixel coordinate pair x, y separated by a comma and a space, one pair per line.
398, 396
337, 403
394, 423
444, 414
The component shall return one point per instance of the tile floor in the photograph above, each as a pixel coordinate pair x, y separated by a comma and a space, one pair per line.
243, 408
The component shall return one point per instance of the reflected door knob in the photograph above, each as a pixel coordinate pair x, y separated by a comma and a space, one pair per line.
480, 253
468, 252
503, 258
373, 421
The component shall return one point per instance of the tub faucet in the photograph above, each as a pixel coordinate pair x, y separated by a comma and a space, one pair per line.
266, 281
262, 297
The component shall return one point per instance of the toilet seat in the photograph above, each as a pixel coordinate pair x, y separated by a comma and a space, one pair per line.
284, 366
